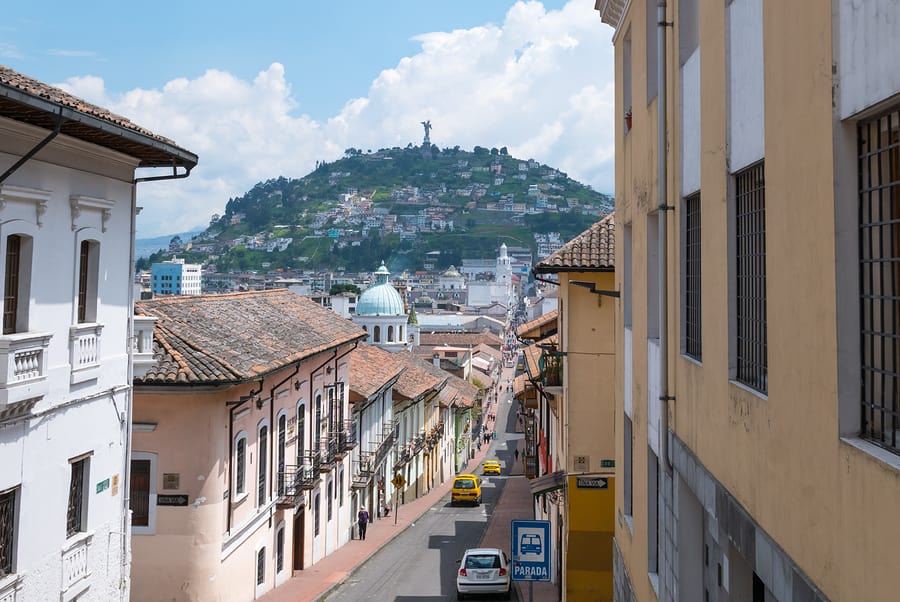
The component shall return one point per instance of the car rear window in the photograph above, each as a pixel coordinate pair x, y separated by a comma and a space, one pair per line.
464, 484
483, 561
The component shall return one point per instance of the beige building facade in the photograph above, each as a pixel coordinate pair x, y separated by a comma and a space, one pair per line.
757, 199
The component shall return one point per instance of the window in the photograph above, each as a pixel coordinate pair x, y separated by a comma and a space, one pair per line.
88, 270
652, 512
316, 507
240, 464
261, 566
16, 284
691, 330
652, 273
329, 500
262, 464
626, 276
626, 79
341, 487
318, 423
279, 549
651, 46
750, 268
7, 531
282, 440
390, 337
377, 332
139, 493
879, 251
75, 512
627, 468
301, 431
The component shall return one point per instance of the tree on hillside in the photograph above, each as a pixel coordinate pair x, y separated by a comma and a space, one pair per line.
337, 289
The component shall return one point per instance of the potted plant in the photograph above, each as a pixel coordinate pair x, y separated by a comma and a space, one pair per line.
628, 119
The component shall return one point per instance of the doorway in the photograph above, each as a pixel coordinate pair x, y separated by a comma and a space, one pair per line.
298, 540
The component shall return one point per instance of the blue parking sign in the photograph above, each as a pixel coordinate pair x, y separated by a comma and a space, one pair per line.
530, 548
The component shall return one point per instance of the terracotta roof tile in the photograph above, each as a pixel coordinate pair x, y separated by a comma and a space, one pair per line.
371, 368
459, 339
592, 250
539, 325
238, 336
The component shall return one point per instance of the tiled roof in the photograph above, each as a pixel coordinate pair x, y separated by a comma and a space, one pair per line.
419, 377
239, 336
591, 251
540, 325
489, 351
459, 339
370, 368
28, 100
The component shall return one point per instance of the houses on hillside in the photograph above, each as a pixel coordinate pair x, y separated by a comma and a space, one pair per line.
67, 212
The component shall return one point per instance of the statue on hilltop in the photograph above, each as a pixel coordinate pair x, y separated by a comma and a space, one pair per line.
427, 141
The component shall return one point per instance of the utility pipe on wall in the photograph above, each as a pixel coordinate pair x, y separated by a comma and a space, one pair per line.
662, 238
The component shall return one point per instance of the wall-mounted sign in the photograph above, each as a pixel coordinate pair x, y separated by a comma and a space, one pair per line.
582, 463
172, 499
103, 485
591, 483
607, 463
171, 480
115, 485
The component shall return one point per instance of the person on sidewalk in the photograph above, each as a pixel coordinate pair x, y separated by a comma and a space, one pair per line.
517, 454
363, 520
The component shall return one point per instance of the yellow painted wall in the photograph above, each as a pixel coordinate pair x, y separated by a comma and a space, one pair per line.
591, 512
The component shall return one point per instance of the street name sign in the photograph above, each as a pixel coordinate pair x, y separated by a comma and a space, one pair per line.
530, 550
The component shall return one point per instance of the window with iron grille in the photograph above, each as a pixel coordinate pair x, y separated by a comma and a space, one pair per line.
751, 353
282, 441
261, 566
279, 550
240, 465
301, 430
139, 496
88, 268
691, 328
7, 531
316, 507
11, 283
262, 453
879, 282
329, 504
75, 509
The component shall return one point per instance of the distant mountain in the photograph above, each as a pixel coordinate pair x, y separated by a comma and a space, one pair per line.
400, 205
145, 247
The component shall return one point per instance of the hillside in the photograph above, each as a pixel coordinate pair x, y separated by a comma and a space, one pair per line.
397, 204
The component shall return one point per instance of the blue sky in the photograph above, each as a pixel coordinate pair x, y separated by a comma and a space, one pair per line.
264, 89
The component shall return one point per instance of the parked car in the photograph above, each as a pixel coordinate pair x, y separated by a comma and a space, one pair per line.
491, 466
465, 489
483, 571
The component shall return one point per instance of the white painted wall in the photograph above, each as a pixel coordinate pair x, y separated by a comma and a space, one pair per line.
869, 44
690, 125
746, 91
70, 419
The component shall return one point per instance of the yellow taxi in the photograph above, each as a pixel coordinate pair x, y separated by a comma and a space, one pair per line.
465, 489
491, 467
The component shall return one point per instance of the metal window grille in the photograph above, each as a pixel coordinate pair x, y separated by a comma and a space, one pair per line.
263, 455
76, 499
316, 507
83, 281
329, 504
282, 439
11, 283
879, 278
750, 231
7, 531
692, 277
240, 462
301, 431
279, 550
261, 566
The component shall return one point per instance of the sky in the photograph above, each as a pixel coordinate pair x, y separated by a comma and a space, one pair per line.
265, 89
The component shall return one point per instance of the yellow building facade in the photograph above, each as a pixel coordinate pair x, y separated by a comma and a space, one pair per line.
578, 389
757, 372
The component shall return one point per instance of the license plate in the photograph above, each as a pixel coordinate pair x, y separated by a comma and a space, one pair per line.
483, 575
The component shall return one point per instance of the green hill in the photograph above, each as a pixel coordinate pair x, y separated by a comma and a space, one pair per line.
396, 204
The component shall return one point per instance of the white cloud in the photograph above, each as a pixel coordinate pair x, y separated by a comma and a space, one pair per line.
71, 53
540, 84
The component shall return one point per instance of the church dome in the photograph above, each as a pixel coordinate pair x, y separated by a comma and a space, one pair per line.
452, 272
380, 299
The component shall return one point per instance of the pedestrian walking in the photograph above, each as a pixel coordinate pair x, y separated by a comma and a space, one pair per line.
517, 454
362, 520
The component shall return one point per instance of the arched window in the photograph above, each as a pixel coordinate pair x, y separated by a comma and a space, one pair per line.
329, 503
262, 453
318, 423
301, 432
378, 334
17, 283
390, 338
282, 442
240, 464
316, 513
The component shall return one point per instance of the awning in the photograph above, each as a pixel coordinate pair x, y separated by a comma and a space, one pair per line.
549, 482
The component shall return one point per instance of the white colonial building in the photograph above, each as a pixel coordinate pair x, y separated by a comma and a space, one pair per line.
498, 290
67, 216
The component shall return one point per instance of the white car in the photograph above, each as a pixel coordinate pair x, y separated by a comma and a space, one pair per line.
483, 571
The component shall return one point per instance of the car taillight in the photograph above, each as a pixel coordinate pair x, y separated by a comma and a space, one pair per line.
462, 572
502, 572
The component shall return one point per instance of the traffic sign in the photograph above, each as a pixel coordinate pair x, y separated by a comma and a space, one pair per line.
531, 550
398, 480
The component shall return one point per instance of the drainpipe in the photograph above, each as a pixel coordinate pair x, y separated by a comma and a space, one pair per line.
272, 427
662, 215
233, 405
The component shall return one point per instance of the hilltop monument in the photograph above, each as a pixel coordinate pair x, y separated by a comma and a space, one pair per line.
427, 140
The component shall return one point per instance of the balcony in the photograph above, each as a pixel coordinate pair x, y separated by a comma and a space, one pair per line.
364, 469
551, 366
328, 453
142, 345
75, 573
291, 483
23, 366
347, 436
384, 448
418, 442
84, 352
309, 469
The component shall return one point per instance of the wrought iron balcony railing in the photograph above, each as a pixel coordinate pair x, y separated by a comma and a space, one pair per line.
328, 451
363, 470
292, 481
347, 436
